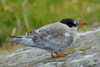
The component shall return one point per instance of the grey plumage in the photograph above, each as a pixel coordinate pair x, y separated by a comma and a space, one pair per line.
23, 41
53, 37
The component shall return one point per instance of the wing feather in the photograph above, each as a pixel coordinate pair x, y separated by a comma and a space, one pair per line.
54, 37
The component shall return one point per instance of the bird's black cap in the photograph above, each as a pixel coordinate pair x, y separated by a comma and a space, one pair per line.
69, 22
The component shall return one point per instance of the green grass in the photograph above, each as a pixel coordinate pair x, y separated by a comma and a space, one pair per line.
20, 16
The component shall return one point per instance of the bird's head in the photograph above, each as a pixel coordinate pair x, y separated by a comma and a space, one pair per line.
72, 23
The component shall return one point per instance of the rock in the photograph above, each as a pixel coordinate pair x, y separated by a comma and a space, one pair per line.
84, 52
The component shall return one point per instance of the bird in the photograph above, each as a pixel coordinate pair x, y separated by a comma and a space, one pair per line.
53, 37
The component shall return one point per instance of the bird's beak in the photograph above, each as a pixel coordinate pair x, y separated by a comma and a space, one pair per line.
81, 24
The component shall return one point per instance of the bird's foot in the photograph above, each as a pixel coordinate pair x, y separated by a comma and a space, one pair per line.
58, 56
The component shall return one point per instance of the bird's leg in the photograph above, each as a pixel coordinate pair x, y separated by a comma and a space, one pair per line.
52, 55
59, 55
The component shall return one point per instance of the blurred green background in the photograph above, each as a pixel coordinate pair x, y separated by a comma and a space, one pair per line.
20, 16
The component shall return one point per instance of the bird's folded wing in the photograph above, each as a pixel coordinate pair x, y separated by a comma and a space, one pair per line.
53, 36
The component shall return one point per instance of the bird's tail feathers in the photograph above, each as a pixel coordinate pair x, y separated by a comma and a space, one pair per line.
22, 40
16, 36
